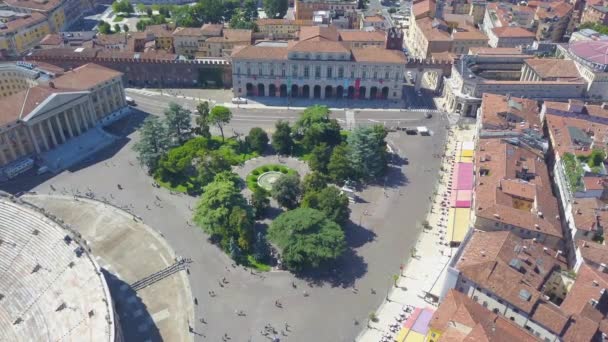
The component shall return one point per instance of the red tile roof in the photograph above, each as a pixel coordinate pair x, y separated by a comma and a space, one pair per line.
507, 113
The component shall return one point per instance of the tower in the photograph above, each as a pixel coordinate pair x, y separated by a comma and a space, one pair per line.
394, 39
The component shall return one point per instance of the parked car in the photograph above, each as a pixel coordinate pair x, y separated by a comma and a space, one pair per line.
239, 100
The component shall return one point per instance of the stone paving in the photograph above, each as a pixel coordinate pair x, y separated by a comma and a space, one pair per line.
421, 279
128, 251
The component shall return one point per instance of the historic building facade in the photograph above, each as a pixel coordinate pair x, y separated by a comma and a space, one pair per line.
57, 109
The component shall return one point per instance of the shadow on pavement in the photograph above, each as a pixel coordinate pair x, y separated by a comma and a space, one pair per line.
135, 321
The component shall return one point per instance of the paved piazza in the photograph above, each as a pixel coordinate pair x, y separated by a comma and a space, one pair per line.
386, 224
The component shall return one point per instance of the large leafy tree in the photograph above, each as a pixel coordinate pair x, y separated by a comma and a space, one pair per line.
339, 167
123, 6
319, 157
239, 20
307, 238
202, 119
177, 119
208, 164
104, 28
223, 213
315, 127
250, 9
261, 249
153, 143
179, 161
220, 116
314, 181
286, 190
368, 153
257, 139
276, 9
260, 202
281, 138
331, 201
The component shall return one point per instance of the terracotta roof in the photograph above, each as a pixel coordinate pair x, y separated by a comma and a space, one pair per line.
550, 316
592, 51
374, 19
504, 161
52, 39
318, 46
319, 33
85, 77
361, 36
512, 32
588, 285
111, 39
581, 329
428, 28
561, 121
187, 31
212, 29
268, 21
459, 318
375, 54
233, 36
478, 50
559, 69
593, 253
34, 4
17, 24
503, 113
508, 266
589, 214
557, 9
423, 8
468, 33
260, 52
18, 105
161, 30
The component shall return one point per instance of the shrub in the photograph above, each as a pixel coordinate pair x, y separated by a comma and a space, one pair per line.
284, 171
255, 172
276, 168
265, 169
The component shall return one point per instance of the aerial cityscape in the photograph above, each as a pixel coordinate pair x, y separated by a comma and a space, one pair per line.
303, 170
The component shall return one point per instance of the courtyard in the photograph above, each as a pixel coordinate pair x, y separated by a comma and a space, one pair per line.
384, 225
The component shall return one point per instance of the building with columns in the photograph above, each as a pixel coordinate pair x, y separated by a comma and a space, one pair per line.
57, 109
318, 65
510, 72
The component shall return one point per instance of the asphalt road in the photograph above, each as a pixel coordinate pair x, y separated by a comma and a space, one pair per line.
338, 303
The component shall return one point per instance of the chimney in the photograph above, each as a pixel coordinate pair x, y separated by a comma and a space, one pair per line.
559, 252
576, 106
602, 268
546, 250
51, 84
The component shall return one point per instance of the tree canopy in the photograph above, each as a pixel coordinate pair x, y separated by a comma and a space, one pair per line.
314, 181
223, 213
315, 127
286, 190
257, 139
220, 116
177, 119
307, 238
339, 167
276, 9
319, 157
122, 6
368, 155
202, 119
331, 201
282, 141
153, 143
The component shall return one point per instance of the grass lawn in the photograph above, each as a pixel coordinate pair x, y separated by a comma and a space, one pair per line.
182, 187
252, 177
257, 265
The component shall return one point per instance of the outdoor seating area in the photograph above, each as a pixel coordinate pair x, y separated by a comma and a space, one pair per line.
416, 326
460, 192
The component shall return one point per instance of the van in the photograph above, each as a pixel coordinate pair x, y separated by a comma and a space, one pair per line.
130, 101
42, 170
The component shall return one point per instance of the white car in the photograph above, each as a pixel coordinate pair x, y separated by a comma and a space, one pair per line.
239, 100
419, 93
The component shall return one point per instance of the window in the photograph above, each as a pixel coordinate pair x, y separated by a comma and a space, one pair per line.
283, 73
306, 71
260, 70
495, 310
375, 74
271, 70
248, 71
329, 72
340, 72
294, 71
485, 304
317, 71
363, 74
386, 75
352, 74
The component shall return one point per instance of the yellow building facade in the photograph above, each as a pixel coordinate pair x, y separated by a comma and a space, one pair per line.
24, 33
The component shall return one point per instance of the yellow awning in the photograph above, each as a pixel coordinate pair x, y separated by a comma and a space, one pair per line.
458, 223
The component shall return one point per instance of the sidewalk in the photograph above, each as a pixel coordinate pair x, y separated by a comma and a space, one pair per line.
295, 104
423, 276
